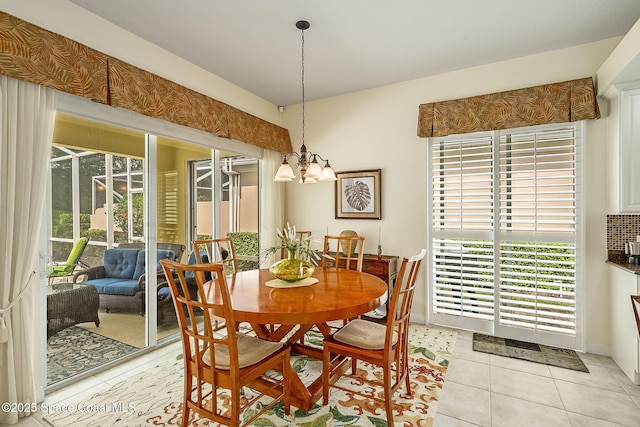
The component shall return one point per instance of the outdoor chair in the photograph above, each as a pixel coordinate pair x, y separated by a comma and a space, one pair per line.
385, 346
73, 260
213, 362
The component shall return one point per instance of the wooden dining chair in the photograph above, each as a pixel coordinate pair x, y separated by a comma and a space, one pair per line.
348, 253
218, 250
213, 362
635, 302
385, 346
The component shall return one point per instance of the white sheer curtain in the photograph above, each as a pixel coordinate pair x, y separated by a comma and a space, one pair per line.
271, 202
27, 114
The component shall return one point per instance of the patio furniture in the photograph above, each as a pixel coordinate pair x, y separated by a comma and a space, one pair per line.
73, 260
69, 304
121, 280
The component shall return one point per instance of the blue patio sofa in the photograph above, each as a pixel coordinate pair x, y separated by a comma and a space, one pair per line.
120, 280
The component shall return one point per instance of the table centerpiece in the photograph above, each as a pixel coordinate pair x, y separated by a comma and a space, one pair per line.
300, 258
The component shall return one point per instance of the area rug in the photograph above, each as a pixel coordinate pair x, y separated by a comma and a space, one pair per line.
554, 356
154, 397
74, 350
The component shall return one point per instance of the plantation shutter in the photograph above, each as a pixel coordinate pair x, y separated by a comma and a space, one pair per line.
503, 227
462, 224
537, 229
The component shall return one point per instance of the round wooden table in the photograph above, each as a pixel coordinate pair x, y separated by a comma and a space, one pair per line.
339, 294
289, 313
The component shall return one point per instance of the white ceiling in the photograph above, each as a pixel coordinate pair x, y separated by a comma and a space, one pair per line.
359, 44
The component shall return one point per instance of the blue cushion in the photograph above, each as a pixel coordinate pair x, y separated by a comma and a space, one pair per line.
164, 292
120, 263
115, 286
123, 287
141, 261
103, 283
192, 260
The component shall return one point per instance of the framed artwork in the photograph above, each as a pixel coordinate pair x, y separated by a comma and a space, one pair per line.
358, 194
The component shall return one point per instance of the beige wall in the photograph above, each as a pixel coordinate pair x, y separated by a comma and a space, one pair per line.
375, 129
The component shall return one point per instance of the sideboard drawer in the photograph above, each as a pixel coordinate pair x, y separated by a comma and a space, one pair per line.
375, 268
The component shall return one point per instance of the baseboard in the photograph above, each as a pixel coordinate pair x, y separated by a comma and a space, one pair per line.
600, 349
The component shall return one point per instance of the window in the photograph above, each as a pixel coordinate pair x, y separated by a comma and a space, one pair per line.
504, 234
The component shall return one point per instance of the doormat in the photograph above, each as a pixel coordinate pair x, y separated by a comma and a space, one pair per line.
75, 350
553, 356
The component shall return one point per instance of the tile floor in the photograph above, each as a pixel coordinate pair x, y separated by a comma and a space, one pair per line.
480, 390
488, 390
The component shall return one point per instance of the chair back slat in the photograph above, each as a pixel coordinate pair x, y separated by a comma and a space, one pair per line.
399, 314
219, 251
201, 333
347, 249
212, 360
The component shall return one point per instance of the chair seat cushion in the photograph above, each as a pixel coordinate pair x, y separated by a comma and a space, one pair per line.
114, 286
251, 350
364, 334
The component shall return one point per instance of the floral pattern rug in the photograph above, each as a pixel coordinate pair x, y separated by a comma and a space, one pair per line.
154, 397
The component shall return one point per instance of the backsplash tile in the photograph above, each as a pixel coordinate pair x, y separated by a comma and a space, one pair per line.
621, 229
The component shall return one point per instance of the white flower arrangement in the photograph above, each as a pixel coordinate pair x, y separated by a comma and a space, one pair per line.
293, 244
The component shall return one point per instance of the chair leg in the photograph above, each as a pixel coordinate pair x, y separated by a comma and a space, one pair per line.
235, 406
185, 414
326, 366
286, 372
407, 382
388, 397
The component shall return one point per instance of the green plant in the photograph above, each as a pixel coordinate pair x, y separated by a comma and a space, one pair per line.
121, 210
245, 243
289, 241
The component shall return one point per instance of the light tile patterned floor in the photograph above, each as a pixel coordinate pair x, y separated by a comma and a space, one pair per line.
488, 390
480, 390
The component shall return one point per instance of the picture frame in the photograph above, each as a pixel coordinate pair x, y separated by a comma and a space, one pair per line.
358, 194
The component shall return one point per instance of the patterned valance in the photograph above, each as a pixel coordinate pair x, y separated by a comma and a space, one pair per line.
568, 101
31, 53
38, 56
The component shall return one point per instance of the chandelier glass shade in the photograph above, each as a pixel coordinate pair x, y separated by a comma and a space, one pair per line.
310, 169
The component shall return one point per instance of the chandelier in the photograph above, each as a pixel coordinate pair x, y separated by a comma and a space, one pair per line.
310, 169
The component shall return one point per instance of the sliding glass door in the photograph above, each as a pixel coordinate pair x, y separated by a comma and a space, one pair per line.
138, 198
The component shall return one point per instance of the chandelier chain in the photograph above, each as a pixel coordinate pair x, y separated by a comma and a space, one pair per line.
302, 87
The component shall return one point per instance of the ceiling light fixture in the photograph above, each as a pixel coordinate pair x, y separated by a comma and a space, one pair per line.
310, 170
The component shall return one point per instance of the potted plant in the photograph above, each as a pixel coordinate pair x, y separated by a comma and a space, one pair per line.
300, 259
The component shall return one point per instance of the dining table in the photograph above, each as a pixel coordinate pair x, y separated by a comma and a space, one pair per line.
288, 311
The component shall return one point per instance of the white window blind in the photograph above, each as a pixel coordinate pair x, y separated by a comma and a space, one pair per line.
503, 227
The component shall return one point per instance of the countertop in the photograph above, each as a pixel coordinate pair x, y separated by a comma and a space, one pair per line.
620, 260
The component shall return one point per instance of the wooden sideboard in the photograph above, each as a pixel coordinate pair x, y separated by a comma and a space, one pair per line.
385, 267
